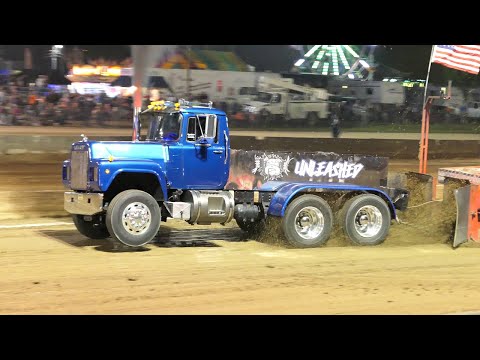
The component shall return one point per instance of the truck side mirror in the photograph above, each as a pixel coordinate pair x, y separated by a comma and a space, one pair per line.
202, 142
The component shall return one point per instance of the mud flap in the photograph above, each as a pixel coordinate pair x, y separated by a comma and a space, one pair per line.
462, 199
420, 187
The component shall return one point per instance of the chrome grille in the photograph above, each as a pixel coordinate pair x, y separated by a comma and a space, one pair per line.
79, 170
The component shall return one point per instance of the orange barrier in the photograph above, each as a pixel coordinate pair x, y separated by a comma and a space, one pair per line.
474, 214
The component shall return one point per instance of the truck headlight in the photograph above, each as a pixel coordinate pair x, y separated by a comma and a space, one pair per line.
66, 172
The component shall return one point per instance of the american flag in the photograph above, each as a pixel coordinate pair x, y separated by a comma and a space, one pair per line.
460, 57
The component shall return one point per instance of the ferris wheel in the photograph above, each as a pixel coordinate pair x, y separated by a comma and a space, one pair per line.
352, 61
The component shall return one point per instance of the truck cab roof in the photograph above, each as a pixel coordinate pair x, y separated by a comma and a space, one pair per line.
202, 110
183, 106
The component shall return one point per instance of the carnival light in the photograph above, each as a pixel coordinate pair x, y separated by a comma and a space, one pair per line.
334, 60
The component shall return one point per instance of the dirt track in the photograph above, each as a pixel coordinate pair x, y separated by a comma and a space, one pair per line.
55, 270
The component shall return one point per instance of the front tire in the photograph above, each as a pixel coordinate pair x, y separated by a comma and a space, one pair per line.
307, 222
91, 229
133, 218
265, 119
366, 220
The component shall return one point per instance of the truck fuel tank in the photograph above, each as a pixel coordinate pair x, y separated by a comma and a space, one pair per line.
208, 206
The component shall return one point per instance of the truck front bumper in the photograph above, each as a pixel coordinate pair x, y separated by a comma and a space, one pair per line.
83, 204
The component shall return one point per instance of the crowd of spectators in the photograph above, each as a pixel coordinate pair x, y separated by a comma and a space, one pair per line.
39, 106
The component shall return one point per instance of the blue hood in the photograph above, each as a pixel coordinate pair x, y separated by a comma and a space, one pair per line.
128, 150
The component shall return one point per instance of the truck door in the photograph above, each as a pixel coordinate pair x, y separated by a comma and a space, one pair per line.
204, 154
276, 107
296, 107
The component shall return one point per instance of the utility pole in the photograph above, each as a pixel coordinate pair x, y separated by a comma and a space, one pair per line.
189, 49
55, 54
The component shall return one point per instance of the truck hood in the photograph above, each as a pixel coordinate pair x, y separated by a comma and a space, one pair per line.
128, 150
255, 106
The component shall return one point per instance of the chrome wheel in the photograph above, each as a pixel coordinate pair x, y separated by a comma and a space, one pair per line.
136, 218
309, 223
368, 221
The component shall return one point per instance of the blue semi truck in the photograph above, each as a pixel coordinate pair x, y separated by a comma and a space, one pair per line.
123, 190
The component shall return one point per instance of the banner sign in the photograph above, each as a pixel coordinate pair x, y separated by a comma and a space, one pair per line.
250, 169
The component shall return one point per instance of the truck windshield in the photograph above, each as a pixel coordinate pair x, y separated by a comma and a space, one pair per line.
165, 127
263, 97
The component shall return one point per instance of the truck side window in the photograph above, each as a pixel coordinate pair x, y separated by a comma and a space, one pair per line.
202, 125
191, 132
211, 130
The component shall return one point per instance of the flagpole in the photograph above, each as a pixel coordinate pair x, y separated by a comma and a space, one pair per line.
428, 76
423, 148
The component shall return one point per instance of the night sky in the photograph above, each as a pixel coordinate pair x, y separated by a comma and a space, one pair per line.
277, 58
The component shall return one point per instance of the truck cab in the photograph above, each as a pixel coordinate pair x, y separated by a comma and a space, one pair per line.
195, 143
186, 148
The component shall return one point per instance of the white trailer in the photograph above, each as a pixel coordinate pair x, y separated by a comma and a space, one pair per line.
217, 85
373, 92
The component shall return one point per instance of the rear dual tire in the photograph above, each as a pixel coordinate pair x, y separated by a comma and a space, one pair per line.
307, 222
366, 220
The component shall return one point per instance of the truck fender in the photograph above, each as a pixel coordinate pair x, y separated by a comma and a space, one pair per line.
287, 192
119, 167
